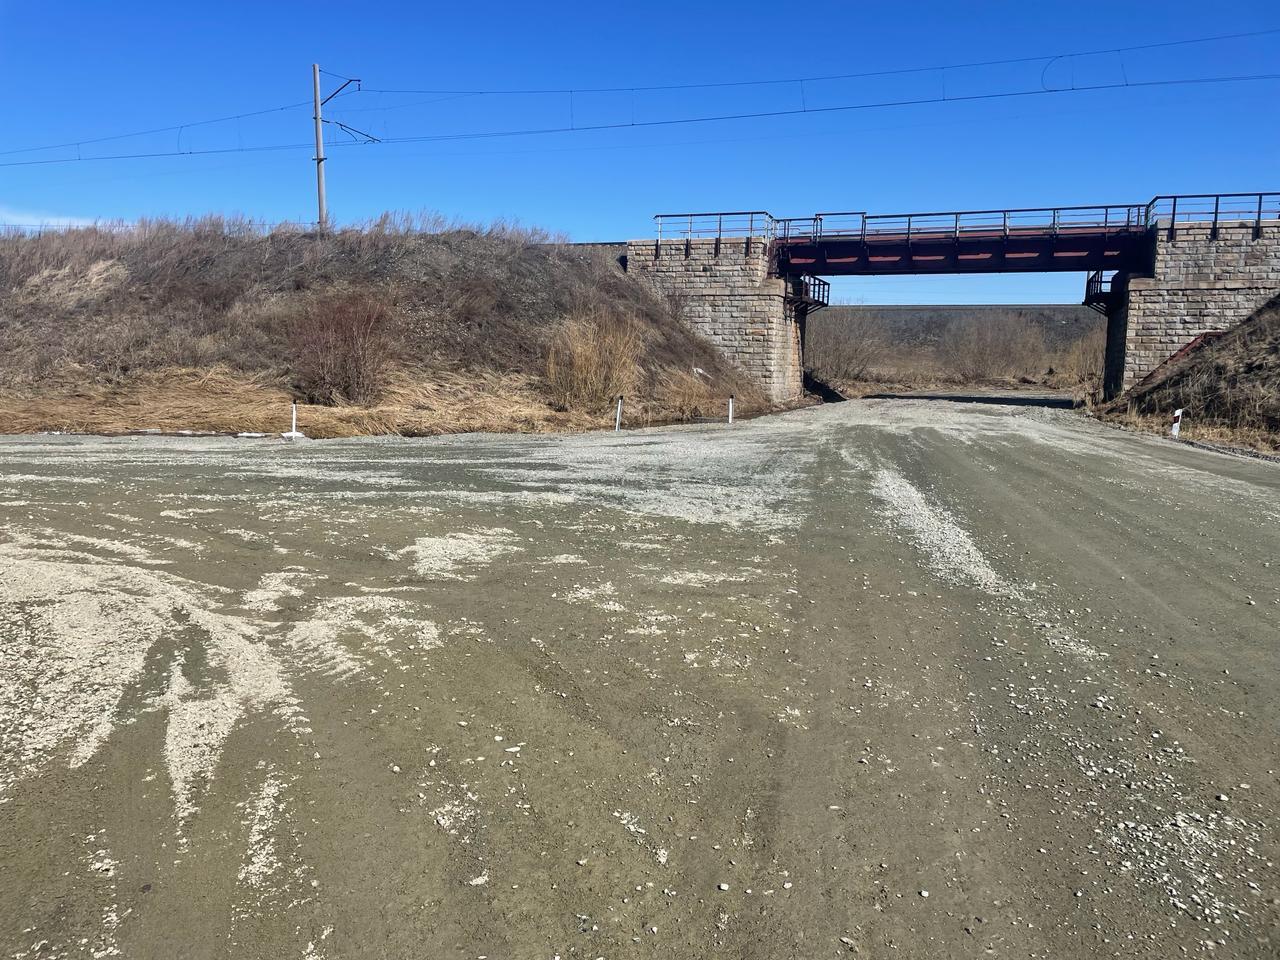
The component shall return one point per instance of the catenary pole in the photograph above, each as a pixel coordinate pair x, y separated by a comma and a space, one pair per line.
322, 211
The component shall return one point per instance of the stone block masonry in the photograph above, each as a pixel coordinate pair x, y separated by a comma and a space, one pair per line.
1200, 283
725, 294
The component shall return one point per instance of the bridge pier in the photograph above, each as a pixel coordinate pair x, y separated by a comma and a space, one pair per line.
723, 289
1205, 278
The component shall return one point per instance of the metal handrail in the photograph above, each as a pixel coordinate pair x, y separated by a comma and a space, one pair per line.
1112, 218
715, 224
1240, 208
966, 213
1175, 197
714, 213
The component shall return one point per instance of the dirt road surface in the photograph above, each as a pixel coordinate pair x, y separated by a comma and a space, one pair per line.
889, 678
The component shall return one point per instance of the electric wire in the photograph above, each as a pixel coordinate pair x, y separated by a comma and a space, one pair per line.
667, 122
839, 76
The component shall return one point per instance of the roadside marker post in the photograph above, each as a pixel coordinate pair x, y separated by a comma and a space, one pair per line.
293, 433
731, 409
1177, 423
617, 419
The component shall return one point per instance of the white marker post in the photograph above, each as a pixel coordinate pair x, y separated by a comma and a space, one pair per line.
1177, 423
617, 419
731, 409
293, 433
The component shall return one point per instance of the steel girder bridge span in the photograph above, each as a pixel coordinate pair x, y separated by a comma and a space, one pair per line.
1095, 239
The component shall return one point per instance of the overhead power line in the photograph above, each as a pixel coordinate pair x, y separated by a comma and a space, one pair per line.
143, 133
1045, 58
837, 76
675, 121
154, 155
797, 111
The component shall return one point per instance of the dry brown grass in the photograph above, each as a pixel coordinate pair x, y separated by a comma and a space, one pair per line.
222, 401
1231, 384
110, 301
1082, 361
593, 359
684, 395
1216, 434
413, 403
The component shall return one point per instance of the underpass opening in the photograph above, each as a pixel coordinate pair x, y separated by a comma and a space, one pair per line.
932, 342
1163, 272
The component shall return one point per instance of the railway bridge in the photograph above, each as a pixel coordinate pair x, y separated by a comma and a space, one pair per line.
1163, 272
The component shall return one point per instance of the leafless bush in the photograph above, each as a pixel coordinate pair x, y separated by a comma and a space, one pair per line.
846, 351
1082, 361
988, 349
342, 345
593, 358
1080, 366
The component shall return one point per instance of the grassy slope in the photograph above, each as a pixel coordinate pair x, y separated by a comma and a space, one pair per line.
1229, 387
195, 326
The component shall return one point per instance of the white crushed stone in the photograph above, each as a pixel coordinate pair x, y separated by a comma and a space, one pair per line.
955, 558
92, 548
261, 861
373, 623
601, 595
49, 480
198, 726
951, 552
690, 578
187, 513
275, 586
444, 558
75, 636
454, 817
565, 559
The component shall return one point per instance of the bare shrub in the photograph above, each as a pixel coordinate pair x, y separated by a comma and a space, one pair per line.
988, 349
1082, 361
846, 351
342, 346
1081, 364
593, 358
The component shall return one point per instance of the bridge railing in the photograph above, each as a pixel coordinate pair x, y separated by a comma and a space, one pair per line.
1215, 209
735, 223
1167, 212
950, 224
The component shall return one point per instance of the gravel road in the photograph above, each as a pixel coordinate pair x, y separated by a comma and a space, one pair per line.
885, 678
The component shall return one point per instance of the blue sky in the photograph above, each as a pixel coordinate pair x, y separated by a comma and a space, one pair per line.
77, 71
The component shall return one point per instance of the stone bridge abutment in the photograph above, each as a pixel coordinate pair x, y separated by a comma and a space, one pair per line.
724, 289
1202, 279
